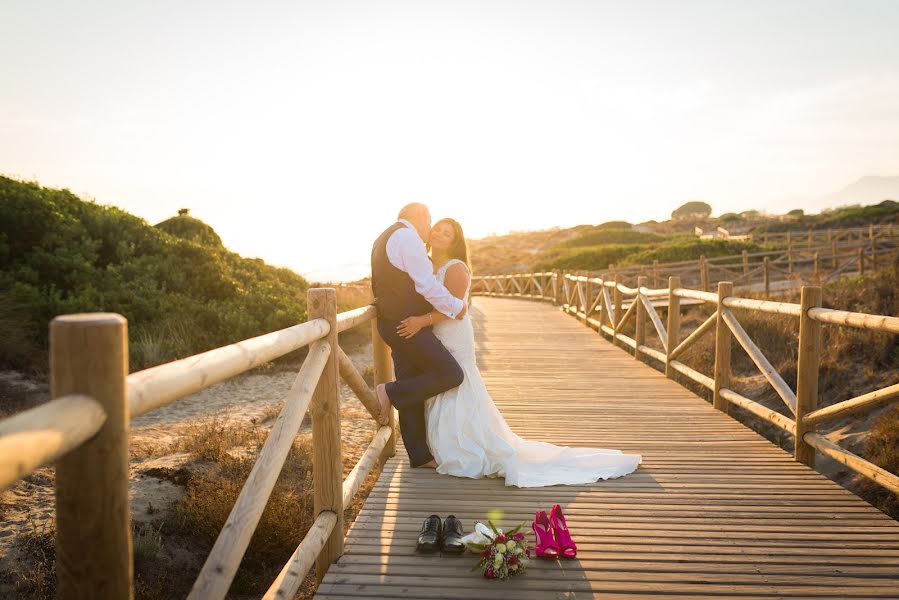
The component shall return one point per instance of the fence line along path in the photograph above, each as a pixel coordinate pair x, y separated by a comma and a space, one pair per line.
715, 510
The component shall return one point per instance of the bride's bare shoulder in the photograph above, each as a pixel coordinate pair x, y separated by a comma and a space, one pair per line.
457, 273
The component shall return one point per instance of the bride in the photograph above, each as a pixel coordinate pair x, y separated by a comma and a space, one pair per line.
466, 432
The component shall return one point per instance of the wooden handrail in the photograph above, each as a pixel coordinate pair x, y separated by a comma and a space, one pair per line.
221, 565
855, 319
157, 386
45, 433
759, 410
352, 318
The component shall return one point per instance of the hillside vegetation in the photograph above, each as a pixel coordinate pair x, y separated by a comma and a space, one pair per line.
181, 290
595, 247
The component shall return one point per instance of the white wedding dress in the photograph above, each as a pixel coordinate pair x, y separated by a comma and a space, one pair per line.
470, 438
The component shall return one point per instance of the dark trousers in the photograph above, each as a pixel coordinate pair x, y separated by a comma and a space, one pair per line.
424, 369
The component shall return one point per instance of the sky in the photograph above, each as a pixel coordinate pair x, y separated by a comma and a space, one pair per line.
298, 129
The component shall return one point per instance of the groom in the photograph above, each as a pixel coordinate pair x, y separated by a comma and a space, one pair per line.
404, 284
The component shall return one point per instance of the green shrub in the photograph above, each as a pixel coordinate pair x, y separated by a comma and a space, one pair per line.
689, 249
598, 237
61, 255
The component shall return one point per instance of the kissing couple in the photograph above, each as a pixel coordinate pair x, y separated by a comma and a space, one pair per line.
448, 420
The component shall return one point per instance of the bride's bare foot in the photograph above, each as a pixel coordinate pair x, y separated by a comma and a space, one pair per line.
431, 464
383, 405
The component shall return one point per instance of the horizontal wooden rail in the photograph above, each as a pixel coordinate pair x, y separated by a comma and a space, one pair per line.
155, 387
853, 461
45, 433
221, 565
693, 374
855, 319
352, 318
765, 306
696, 295
759, 410
652, 352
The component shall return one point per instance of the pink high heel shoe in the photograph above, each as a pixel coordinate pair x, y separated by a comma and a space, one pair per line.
565, 544
546, 543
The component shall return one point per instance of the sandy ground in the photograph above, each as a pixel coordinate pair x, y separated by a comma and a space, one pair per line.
251, 398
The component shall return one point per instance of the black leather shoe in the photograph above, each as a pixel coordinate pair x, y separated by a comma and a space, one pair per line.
452, 536
430, 537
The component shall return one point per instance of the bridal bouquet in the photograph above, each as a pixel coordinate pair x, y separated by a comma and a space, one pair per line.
502, 555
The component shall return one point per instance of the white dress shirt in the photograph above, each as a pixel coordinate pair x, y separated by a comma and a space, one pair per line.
406, 252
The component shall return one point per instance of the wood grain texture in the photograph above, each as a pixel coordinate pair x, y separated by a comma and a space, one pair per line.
715, 510
89, 356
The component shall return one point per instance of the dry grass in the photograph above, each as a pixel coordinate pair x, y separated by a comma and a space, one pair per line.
882, 448
37, 550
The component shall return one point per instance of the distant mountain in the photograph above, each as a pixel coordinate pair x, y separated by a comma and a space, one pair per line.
870, 189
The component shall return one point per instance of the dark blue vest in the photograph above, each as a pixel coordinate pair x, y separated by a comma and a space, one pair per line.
394, 290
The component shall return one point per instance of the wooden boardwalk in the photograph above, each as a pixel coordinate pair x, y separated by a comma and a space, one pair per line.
714, 511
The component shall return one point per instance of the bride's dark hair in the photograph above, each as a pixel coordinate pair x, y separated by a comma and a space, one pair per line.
459, 249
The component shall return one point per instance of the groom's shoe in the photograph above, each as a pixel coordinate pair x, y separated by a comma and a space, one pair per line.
431, 535
452, 536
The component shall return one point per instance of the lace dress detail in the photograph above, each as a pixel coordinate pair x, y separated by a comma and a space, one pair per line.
469, 437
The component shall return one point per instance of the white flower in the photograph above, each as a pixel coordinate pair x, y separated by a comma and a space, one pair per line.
511, 544
498, 560
501, 548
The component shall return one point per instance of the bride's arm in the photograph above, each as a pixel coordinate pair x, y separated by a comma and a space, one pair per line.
456, 282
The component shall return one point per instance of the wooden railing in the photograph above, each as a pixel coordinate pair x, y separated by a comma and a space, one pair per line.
608, 305
84, 431
797, 262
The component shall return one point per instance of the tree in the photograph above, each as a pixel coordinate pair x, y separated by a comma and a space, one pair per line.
692, 209
796, 212
183, 212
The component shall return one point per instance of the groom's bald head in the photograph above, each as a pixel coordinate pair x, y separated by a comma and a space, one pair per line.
420, 217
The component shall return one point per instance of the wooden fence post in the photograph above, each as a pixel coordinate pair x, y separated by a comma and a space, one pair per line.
767, 277
817, 265
655, 272
382, 362
588, 300
703, 274
616, 299
790, 258
861, 261
327, 458
673, 327
640, 333
89, 355
810, 238
555, 277
765, 237
746, 263
723, 338
807, 371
